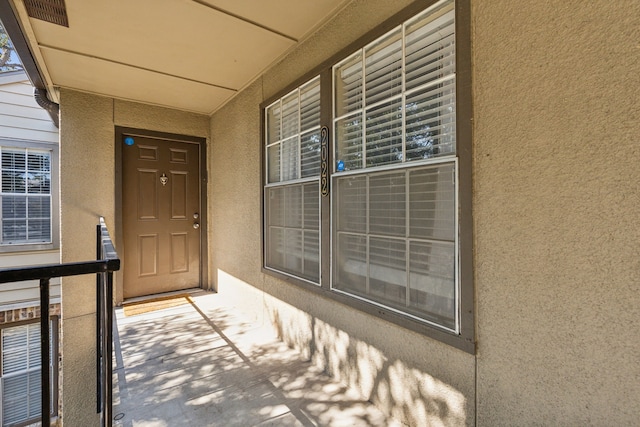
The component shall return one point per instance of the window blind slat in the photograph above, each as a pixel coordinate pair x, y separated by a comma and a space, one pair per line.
383, 66
348, 86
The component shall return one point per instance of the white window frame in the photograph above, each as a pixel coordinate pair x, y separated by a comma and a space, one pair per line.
54, 197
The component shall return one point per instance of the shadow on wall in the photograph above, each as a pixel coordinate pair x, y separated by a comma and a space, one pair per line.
400, 391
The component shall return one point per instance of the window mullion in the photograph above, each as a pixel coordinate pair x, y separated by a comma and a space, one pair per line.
281, 143
404, 97
368, 233
364, 112
407, 223
302, 228
299, 168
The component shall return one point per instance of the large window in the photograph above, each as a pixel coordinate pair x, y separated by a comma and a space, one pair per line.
394, 180
26, 196
292, 177
395, 214
21, 373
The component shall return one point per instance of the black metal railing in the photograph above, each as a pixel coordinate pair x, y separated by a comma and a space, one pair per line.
106, 263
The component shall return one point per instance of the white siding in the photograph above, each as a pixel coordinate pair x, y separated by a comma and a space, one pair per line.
21, 118
15, 295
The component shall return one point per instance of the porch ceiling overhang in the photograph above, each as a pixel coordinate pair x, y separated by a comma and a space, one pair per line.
191, 55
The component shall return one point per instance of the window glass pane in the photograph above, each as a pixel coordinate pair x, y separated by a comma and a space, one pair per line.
348, 86
38, 162
14, 231
293, 221
293, 206
349, 143
39, 173
290, 115
387, 204
273, 163
310, 106
311, 206
275, 204
14, 349
432, 280
310, 154
351, 204
275, 249
311, 255
290, 159
411, 269
20, 373
293, 250
431, 127
13, 160
39, 207
384, 134
383, 65
350, 266
14, 207
430, 46
388, 271
432, 203
274, 125
38, 230
13, 181
15, 402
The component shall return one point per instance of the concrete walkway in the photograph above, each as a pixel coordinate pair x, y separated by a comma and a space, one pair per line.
199, 364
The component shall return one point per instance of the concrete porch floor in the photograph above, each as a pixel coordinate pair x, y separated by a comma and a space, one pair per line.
201, 364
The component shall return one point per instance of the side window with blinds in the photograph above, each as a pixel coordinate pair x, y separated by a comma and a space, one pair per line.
20, 379
394, 198
292, 197
26, 196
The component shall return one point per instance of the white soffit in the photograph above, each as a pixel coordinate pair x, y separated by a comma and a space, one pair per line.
187, 54
119, 81
294, 18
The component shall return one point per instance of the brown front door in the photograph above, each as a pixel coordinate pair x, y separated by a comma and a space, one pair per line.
161, 215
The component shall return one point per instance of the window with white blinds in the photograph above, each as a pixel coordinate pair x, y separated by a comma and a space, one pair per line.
20, 379
26, 196
395, 98
292, 197
394, 178
394, 195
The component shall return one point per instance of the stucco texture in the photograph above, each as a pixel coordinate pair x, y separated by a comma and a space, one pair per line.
416, 379
557, 119
87, 191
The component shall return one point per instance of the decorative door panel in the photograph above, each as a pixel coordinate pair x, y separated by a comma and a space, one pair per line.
161, 215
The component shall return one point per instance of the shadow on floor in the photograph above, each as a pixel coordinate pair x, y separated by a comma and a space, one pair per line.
199, 364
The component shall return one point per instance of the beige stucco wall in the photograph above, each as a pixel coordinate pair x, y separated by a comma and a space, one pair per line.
557, 114
556, 196
416, 379
87, 153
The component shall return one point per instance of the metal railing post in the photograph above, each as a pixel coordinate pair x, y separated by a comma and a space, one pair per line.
45, 360
98, 322
108, 349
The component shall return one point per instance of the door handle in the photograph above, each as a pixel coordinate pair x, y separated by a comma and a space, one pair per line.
196, 225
